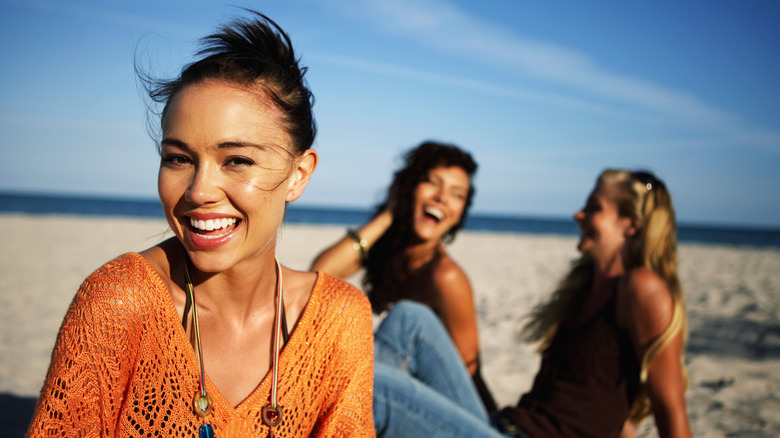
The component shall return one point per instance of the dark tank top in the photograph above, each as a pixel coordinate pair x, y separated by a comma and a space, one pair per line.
586, 383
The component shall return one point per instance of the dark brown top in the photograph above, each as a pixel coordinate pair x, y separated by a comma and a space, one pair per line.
586, 384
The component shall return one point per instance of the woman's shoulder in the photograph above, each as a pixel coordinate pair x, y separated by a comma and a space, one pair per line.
333, 291
448, 275
333, 287
644, 300
642, 284
122, 278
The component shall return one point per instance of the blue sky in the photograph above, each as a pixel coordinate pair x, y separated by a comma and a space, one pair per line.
544, 94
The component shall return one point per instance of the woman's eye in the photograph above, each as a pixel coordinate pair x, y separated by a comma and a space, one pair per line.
173, 160
239, 161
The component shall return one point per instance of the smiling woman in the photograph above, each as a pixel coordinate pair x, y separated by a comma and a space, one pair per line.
206, 334
402, 250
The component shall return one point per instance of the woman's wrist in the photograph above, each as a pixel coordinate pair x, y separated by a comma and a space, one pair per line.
359, 244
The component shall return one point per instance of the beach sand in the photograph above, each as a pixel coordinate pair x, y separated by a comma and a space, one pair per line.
733, 297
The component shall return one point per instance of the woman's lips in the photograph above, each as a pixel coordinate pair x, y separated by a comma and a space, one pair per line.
213, 232
433, 213
212, 228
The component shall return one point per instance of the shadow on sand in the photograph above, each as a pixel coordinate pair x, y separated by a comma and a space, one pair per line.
739, 336
15, 414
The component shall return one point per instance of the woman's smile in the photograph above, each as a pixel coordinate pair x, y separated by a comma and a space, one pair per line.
203, 226
212, 233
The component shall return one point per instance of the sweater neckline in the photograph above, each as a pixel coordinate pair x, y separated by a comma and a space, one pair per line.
263, 388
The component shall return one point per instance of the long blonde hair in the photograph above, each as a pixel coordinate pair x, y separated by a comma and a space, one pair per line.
645, 200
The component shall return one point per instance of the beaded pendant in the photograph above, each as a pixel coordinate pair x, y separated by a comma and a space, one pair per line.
202, 404
271, 416
206, 431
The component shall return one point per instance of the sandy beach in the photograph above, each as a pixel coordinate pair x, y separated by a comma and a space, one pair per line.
733, 297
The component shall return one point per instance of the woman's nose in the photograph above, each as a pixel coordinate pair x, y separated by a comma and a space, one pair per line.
440, 195
204, 187
579, 215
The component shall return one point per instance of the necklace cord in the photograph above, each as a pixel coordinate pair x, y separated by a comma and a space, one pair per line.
191, 292
277, 332
276, 342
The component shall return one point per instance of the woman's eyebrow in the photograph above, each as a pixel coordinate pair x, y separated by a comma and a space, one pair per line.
238, 144
223, 145
174, 142
460, 189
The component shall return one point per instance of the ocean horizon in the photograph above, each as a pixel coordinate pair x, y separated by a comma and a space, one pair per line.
43, 204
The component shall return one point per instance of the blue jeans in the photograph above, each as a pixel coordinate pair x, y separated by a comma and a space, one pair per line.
421, 386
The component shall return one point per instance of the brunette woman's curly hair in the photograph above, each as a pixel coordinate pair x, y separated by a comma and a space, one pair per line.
386, 262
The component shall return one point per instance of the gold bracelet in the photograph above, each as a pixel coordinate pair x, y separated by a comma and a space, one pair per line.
359, 244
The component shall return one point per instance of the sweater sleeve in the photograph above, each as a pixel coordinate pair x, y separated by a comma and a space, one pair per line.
349, 411
82, 393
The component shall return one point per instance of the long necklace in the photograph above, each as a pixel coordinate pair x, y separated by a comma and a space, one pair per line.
272, 412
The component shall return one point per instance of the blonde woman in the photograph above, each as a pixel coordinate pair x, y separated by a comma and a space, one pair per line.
612, 336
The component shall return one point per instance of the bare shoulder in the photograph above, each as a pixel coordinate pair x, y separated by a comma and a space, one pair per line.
158, 260
644, 306
163, 256
645, 289
449, 276
298, 287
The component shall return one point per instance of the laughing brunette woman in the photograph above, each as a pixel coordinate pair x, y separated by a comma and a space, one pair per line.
206, 334
402, 248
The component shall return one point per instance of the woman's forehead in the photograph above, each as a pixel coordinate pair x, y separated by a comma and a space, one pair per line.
453, 174
220, 110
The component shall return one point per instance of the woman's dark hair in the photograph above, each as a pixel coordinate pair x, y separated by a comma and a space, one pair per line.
252, 53
386, 262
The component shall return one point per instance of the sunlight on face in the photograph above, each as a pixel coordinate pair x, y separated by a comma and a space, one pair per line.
225, 163
237, 127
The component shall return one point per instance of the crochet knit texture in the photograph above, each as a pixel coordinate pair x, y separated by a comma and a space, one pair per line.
124, 367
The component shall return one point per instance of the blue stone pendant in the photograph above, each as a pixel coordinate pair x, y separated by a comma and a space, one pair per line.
206, 431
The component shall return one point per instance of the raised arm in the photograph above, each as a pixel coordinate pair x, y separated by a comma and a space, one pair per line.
646, 310
343, 258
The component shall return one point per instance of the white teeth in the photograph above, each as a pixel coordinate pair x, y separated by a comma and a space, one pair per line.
211, 224
435, 212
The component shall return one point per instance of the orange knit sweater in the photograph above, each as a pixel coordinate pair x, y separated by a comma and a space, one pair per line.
123, 366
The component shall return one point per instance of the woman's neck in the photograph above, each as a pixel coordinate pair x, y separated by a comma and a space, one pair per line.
601, 289
420, 254
611, 267
240, 292
607, 273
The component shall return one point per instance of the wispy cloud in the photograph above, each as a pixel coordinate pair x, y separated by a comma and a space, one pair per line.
444, 27
505, 91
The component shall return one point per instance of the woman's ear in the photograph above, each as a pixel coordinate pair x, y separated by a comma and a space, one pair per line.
630, 228
304, 167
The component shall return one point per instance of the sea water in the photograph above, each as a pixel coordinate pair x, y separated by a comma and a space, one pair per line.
95, 206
